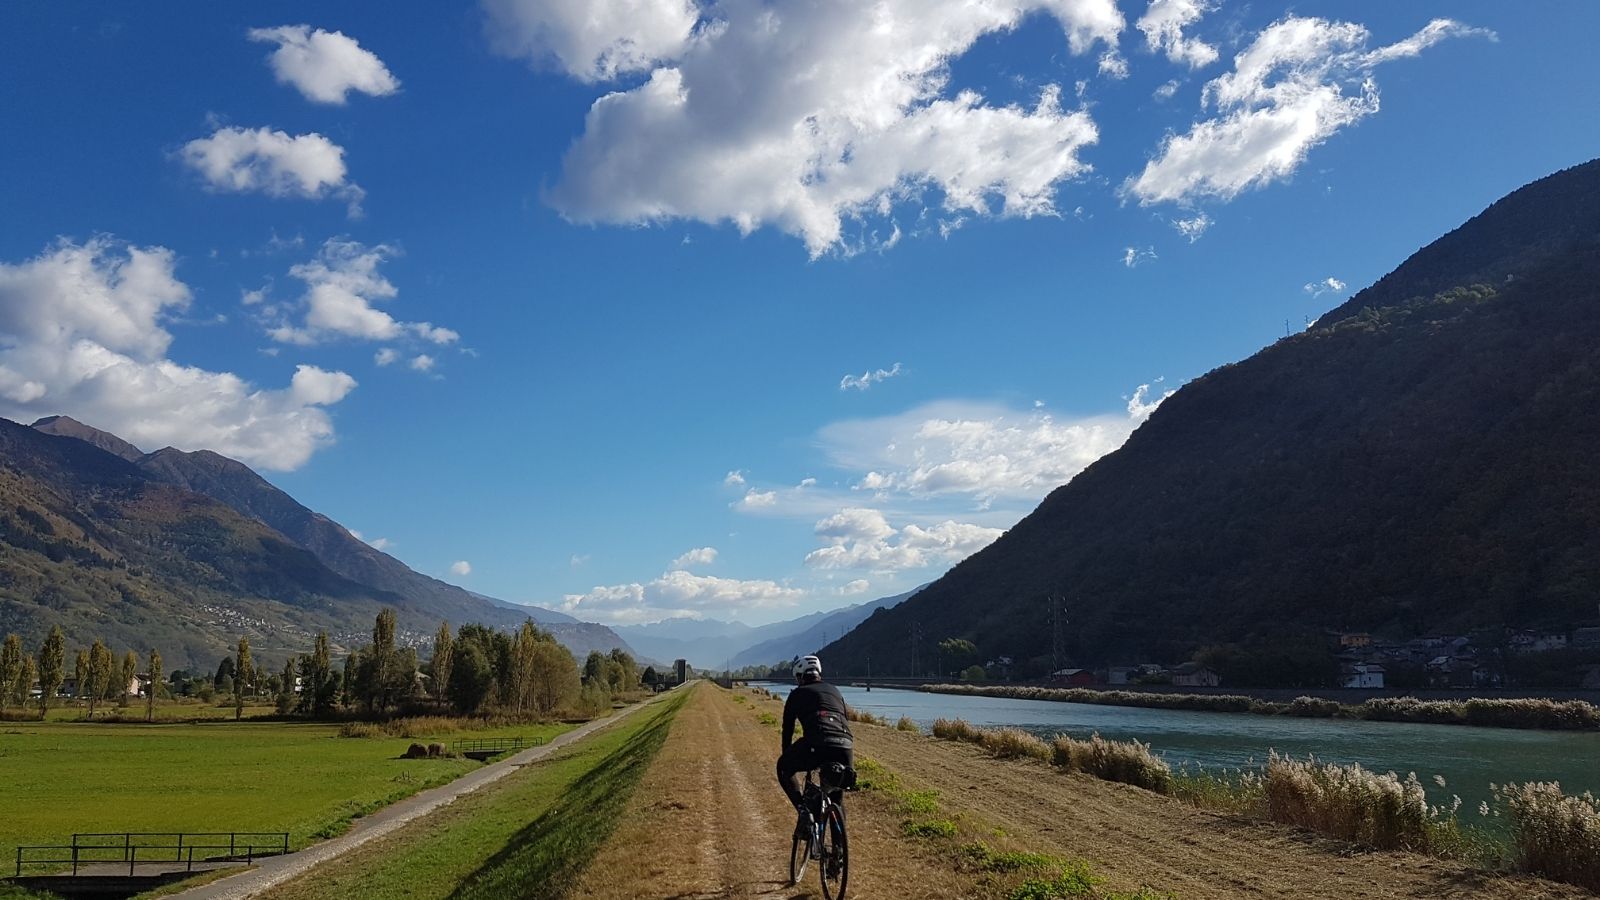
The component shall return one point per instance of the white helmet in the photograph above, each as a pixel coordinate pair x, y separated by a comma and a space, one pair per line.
807, 665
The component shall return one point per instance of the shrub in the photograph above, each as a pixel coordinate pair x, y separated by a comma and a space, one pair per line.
1074, 880
1350, 802
1013, 743
936, 828
1127, 762
1552, 834
360, 730
957, 730
905, 724
861, 715
1313, 708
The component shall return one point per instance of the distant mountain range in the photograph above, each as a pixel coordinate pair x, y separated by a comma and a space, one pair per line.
713, 644
1423, 458
187, 551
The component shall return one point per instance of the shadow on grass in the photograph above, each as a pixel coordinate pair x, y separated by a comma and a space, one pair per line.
545, 858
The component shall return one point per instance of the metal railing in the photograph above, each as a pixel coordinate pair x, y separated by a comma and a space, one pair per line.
491, 745
149, 847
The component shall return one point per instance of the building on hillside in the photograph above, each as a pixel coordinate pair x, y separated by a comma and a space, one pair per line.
1121, 675
1352, 640
1361, 675
1195, 675
1072, 677
1536, 641
1586, 638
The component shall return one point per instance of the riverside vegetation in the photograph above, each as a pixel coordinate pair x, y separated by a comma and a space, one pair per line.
1483, 712
1546, 832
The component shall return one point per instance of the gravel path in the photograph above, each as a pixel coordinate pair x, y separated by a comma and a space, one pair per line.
278, 869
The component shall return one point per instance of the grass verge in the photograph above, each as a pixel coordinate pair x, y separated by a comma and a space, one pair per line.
528, 836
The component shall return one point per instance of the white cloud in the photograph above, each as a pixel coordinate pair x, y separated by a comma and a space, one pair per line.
806, 483
1133, 256
1296, 85
868, 379
734, 479
380, 544
82, 333
342, 284
591, 40
578, 559
324, 66
461, 567
851, 588
422, 362
1166, 90
1329, 285
1140, 406
802, 114
754, 499
678, 594
860, 538
1163, 24
1193, 227
979, 451
274, 163
699, 556
386, 356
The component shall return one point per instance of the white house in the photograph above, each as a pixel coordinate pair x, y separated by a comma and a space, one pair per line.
1362, 675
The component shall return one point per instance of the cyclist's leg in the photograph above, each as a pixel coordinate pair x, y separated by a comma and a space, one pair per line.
792, 765
838, 755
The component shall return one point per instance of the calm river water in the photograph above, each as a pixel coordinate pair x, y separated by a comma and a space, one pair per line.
1469, 759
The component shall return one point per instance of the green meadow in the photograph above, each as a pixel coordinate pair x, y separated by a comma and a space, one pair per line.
57, 778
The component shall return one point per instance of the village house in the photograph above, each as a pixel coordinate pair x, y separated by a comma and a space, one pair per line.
1361, 675
1072, 677
1121, 675
1195, 675
1536, 641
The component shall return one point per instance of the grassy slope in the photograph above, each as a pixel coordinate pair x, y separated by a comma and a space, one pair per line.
528, 836
300, 778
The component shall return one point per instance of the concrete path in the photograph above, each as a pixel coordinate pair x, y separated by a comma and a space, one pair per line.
278, 869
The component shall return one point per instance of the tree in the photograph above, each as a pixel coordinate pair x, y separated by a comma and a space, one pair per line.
443, 658
52, 667
100, 670
10, 669
286, 688
130, 671
245, 672
555, 677
80, 675
624, 671
471, 678
347, 684
956, 653
224, 670
596, 671
650, 676
155, 685
318, 681
24, 681
381, 663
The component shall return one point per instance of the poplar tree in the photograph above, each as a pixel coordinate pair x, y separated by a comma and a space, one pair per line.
244, 671
52, 667
24, 681
10, 669
347, 685
80, 675
286, 688
155, 685
101, 664
318, 688
130, 671
444, 658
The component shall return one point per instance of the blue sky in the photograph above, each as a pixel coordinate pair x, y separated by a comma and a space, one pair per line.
557, 299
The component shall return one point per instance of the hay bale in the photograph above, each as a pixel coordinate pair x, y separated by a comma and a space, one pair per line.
416, 751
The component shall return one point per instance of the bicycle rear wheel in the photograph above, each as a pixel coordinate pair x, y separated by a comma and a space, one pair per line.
834, 867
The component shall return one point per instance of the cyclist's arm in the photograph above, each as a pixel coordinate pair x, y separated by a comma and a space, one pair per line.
788, 724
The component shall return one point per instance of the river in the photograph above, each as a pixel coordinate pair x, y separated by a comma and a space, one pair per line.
1469, 759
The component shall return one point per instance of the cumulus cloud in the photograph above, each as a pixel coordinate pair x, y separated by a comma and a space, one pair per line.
699, 556
461, 567
754, 499
275, 163
1165, 91
859, 538
983, 452
1296, 85
1133, 257
1163, 24
82, 332
802, 115
386, 356
857, 586
868, 379
1140, 406
1329, 285
734, 478
591, 40
324, 66
1193, 227
342, 284
422, 362
678, 594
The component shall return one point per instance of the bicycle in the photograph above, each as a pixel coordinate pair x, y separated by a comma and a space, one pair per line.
824, 840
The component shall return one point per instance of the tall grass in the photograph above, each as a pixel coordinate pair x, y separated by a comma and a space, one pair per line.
1539, 713
1128, 762
1553, 834
1359, 805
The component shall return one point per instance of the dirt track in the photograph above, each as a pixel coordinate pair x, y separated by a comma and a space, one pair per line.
708, 821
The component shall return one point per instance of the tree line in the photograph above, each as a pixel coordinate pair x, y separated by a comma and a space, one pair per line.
98, 676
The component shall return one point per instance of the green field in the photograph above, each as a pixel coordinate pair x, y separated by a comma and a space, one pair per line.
61, 778
527, 836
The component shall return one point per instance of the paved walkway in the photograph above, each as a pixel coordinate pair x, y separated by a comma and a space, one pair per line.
278, 869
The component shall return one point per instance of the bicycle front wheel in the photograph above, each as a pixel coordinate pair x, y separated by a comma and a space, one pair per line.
799, 855
835, 863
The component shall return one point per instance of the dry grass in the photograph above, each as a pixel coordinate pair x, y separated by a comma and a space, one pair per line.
905, 724
861, 715
1554, 835
1128, 762
1013, 743
1355, 804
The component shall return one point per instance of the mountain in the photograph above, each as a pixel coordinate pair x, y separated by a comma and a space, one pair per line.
345, 566
1422, 458
818, 634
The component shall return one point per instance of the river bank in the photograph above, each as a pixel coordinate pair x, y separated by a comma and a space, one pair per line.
1483, 712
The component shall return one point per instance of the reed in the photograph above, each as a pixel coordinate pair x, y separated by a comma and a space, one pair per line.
1353, 803
1554, 834
1127, 762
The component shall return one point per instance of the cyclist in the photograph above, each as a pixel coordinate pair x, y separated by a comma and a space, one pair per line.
826, 738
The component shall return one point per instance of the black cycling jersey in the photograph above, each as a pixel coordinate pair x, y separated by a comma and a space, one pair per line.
820, 710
